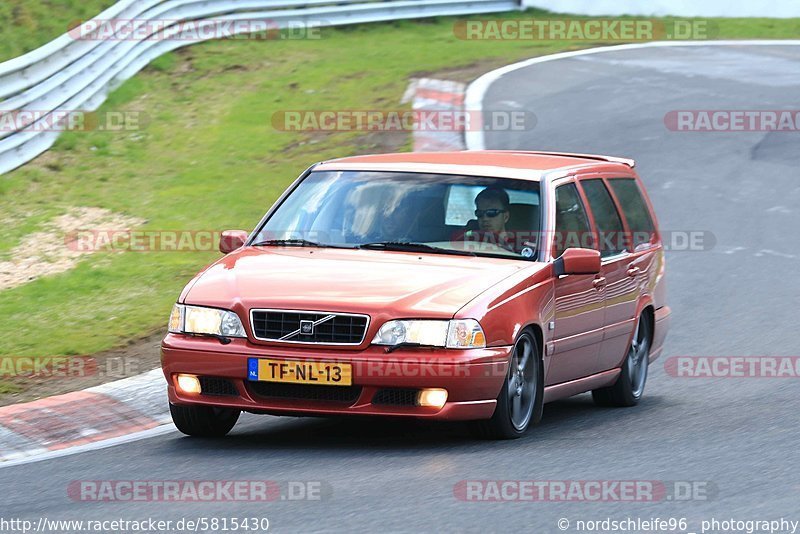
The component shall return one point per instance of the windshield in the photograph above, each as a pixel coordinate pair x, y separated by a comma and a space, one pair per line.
409, 211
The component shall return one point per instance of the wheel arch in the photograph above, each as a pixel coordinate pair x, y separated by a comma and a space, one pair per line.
647, 309
538, 335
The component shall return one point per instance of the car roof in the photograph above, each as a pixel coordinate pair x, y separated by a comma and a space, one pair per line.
527, 165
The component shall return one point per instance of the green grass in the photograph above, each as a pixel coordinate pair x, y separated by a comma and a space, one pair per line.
7, 387
209, 159
28, 24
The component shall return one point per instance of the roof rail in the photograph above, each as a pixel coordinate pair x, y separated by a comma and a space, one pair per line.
625, 161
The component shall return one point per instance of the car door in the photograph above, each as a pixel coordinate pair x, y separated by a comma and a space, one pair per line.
578, 325
641, 265
621, 276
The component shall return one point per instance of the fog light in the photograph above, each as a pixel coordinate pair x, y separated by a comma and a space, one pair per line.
435, 397
189, 384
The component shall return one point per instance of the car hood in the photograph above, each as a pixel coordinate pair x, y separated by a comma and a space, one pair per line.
399, 284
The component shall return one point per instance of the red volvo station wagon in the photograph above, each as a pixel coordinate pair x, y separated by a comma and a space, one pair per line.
458, 286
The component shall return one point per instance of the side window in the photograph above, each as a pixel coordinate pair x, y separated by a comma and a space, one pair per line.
572, 226
635, 209
609, 225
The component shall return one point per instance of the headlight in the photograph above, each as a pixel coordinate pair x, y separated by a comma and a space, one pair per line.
198, 320
455, 334
433, 333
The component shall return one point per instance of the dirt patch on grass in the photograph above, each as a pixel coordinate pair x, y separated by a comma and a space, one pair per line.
138, 356
48, 251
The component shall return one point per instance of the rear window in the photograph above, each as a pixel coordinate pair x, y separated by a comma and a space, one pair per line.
635, 209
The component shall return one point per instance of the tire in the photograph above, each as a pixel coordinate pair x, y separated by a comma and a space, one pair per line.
629, 387
522, 407
203, 421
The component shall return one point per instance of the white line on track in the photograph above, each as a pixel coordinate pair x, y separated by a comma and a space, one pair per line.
476, 91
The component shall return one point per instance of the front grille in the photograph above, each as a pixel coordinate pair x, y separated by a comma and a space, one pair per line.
330, 328
210, 385
275, 390
396, 397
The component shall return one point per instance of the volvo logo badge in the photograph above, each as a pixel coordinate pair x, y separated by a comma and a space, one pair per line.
307, 328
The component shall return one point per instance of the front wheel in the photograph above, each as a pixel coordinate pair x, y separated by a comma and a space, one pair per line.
520, 402
203, 421
629, 387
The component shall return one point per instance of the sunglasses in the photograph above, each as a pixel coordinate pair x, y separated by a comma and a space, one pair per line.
491, 213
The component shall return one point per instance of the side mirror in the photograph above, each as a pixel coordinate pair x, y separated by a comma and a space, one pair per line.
230, 240
577, 261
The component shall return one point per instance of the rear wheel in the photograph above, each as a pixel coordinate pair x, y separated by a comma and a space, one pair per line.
629, 387
203, 421
520, 402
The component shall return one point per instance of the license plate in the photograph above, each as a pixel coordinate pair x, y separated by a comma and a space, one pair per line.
296, 372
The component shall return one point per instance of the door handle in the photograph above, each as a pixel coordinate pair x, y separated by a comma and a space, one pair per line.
599, 283
633, 271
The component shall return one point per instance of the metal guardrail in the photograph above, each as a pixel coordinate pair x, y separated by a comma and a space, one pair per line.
78, 74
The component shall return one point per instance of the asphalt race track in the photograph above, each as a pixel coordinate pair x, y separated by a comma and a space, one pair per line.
738, 436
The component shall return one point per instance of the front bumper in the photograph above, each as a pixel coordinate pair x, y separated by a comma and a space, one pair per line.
472, 378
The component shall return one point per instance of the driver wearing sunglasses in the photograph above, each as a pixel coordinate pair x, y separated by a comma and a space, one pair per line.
492, 209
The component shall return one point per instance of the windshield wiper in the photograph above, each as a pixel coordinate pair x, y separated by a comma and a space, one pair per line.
293, 243
406, 246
